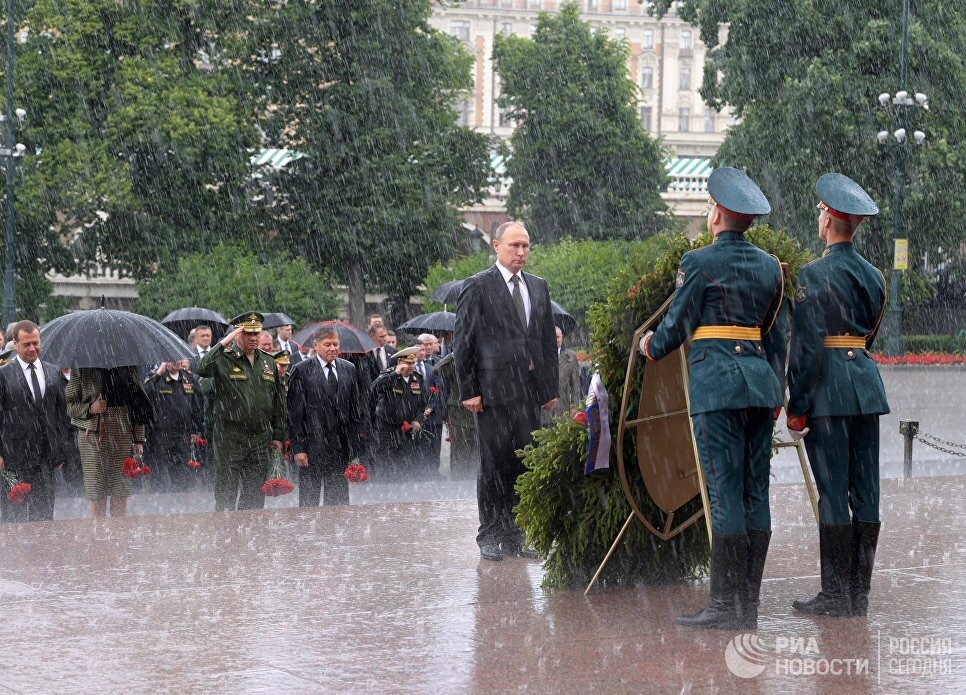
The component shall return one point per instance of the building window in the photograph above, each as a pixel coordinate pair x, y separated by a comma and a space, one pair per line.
620, 4
504, 118
619, 32
464, 111
460, 29
593, 5
685, 77
506, 28
648, 41
535, 4
710, 120
646, 118
647, 77
506, 3
684, 119
685, 43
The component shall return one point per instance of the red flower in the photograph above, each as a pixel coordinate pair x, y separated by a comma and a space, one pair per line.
632, 292
200, 441
356, 473
925, 359
433, 389
143, 470
18, 492
449, 439
406, 427
130, 467
276, 487
580, 417
193, 464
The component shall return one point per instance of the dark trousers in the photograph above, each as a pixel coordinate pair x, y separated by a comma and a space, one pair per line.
464, 456
428, 446
844, 455
500, 431
167, 453
325, 474
39, 504
240, 469
735, 451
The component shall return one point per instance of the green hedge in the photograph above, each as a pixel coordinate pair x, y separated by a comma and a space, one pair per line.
572, 519
944, 344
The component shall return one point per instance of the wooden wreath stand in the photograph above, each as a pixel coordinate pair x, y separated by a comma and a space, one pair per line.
667, 454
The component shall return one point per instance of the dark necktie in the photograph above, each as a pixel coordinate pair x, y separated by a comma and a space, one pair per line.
518, 300
34, 382
331, 378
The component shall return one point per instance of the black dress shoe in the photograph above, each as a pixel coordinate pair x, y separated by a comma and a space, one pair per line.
491, 551
528, 553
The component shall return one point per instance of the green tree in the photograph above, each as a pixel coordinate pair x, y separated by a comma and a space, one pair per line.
577, 272
366, 91
581, 165
231, 279
136, 144
804, 77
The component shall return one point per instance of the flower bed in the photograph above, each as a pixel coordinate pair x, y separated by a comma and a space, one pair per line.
928, 359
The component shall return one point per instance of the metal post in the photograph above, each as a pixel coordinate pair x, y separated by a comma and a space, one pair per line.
893, 339
9, 279
908, 429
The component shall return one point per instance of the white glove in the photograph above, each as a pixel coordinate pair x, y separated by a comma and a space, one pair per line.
640, 345
799, 434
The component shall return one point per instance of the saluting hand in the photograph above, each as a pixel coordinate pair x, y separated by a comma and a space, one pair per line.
227, 340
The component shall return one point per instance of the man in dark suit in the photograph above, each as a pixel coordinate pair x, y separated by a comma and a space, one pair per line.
323, 421
33, 425
506, 364
380, 359
284, 338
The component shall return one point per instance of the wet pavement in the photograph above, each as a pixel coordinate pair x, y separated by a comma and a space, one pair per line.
394, 598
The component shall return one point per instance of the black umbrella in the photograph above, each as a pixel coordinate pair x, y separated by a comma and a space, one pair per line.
436, 322
448, 292
351, 339
181, 321
107, 338
274, 319
561, 318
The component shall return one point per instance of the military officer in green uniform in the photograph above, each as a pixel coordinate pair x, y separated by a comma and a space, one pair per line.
727, 299
836, 396
402, 403
249, 413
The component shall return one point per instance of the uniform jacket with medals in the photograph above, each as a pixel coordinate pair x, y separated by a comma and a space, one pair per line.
178, 406
839, 294
729, 283
396, 402
244, 394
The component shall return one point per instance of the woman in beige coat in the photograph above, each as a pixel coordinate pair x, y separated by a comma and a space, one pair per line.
109, 409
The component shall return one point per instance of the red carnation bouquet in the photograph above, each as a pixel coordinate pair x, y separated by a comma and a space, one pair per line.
356, 473
18, 490
193, 462
133, 467
276, 484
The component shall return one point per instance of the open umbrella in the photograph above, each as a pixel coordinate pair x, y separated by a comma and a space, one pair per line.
107, 338
448, 292
436, 322
561, 318
274, 319
351, 339
181, 321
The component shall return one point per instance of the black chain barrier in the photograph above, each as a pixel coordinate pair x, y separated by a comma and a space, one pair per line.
958, 450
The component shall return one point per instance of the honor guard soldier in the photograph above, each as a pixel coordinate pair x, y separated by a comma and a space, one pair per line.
249, 413
836, 396
402, 404
727, 299
178, 415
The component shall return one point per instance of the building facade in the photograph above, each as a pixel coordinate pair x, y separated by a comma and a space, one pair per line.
666, 61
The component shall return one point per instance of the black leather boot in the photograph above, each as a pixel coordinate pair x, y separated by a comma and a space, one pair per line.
729, 561
865, 538
757, 552
835, 552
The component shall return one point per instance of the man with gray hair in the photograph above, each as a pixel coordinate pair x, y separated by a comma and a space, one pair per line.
506, 364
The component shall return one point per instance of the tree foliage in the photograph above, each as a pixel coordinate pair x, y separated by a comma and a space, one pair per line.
804, 77
231, 279
581, 164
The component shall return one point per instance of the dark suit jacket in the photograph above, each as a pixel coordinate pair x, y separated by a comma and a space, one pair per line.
375, 366
494, 351
318, 424
31, 431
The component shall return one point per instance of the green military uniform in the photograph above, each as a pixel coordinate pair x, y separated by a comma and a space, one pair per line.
249, 413
728, 297
836, 391
464, 456
398, 400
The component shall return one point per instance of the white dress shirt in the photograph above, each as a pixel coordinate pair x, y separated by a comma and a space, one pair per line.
525, 293
40, 376
325, 368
